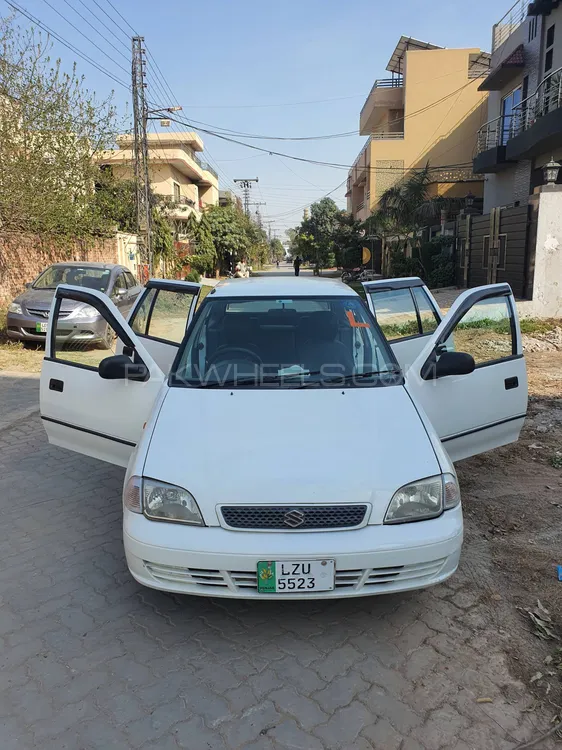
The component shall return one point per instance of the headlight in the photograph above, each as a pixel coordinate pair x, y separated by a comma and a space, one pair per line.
417, 501
15, 308
86, 311
166, 502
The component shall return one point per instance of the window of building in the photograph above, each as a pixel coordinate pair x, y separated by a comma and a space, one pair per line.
177, 192
550, 36
533, 25
549, 49
509, 103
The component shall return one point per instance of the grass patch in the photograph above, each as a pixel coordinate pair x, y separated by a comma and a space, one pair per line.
538, 325
556, 461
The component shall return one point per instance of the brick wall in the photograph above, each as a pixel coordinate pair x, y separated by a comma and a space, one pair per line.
23, 257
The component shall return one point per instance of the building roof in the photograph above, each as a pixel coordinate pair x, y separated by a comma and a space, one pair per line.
542, 7
282, 286
406, 43
505, 71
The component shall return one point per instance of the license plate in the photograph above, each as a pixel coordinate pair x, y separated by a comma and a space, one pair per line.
293, 576
41, 327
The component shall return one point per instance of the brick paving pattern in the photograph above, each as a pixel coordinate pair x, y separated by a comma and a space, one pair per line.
90, 659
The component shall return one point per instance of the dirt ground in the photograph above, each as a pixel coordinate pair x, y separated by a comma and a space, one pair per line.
512, 499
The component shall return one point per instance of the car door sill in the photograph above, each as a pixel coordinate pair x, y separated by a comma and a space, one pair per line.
483, 427
90, 432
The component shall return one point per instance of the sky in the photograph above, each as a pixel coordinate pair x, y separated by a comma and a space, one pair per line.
297, 68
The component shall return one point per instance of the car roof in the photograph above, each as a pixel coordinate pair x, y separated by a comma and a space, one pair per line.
272, 286
87, 264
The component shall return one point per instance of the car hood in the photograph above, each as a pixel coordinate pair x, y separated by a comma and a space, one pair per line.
289, 446
41, 299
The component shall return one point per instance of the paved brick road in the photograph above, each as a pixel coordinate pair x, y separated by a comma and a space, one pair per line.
89, 659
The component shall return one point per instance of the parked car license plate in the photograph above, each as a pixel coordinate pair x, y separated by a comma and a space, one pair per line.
294, 576
41, 327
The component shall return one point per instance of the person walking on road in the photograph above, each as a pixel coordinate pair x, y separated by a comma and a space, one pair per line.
297, 265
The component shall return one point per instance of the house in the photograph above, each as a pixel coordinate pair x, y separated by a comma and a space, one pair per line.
176, 172
523, 130
428, 111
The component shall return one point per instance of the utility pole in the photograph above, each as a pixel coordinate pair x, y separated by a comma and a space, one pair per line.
142, 179
258, 215
246, 184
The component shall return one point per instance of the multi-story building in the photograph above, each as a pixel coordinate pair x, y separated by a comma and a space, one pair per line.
176, 172
524, 124
428, 111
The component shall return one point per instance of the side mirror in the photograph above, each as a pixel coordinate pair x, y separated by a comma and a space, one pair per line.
119, 292
120, 367
449, 363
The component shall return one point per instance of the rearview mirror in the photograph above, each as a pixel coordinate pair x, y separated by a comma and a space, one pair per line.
120, 367
449, 363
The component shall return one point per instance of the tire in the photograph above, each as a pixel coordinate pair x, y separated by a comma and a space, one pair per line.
109, 337
346, 277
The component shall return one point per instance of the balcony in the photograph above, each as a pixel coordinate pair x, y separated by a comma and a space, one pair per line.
536, 123
386, 94
490, 147
512, 20
388, 136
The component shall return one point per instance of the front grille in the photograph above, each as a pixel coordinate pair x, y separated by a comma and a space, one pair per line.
293, 517
352, 580
45, 313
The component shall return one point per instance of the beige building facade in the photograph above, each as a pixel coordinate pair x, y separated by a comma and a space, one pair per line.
427, 112
177, 174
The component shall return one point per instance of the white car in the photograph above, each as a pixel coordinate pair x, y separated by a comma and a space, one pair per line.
288, 440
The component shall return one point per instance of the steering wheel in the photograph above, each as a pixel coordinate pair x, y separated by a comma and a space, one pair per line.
249, 354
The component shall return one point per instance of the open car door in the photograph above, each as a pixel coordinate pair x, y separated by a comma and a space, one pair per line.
471, 378
92, 401
161, 315
406, 312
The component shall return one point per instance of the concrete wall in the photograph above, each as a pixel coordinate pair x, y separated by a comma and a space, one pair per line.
547, 281
24, 256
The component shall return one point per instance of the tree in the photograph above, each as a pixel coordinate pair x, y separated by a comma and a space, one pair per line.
348, 242
203, 258
276, 250
229, 233
50, 126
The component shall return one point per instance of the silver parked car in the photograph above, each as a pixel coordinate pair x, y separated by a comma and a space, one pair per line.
28, 314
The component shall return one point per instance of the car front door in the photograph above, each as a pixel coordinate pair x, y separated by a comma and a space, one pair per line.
407, 314
486, 407
161, 315
81, 408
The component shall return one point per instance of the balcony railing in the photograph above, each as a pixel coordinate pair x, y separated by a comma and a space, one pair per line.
545, 99
360, 206
205, 165
491, 134
385, 83
504, 28
398, 136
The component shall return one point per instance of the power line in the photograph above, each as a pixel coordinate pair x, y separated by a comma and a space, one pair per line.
120, 16
64, 42
91, 25
103, 23
85, 37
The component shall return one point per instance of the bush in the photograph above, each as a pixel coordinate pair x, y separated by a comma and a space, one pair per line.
442, 270
193, 276
400, 265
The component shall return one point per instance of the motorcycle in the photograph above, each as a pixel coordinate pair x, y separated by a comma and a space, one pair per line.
361, 273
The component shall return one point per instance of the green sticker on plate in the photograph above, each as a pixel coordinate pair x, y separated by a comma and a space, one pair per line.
266, 578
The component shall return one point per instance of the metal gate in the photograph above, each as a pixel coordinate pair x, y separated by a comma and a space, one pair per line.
493, 248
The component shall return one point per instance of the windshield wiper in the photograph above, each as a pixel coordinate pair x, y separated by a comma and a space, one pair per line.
342, 379
260, 381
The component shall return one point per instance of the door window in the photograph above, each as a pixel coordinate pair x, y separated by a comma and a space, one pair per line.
119, 287
83, 338
428, 319
402, 313
509, 104
163, 314
486, 331
131, 281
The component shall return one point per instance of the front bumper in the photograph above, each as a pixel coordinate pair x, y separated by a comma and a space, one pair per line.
22, 328
370, 560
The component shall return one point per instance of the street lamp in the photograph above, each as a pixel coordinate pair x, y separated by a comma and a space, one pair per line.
550, 171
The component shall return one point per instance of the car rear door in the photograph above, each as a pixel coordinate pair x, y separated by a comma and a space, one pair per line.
161, 315
486, 408
406, 312
82, 411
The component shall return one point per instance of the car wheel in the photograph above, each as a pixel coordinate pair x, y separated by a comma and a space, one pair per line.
108, 340
346, 277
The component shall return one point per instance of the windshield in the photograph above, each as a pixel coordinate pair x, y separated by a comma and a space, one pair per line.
287, 343
92, 278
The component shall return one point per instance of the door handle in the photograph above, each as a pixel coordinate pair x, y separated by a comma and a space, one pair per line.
56, 385
511, 383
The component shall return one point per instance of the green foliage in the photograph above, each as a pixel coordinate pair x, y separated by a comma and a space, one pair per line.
556, 461
50, 126
537, 325
228, 231
327, 237
203, 254
401, 266
399, 330
442, 271
193, 276
276, 250
162, 237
